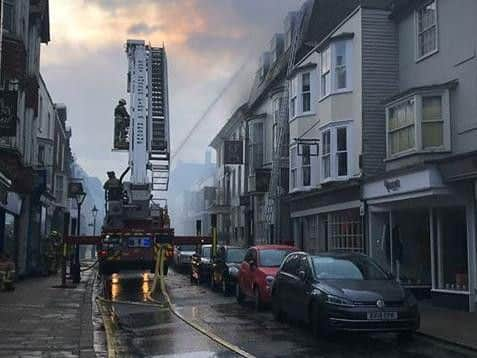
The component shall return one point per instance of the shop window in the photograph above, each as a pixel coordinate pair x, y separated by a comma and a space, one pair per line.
426, 18
345, 231
451, 243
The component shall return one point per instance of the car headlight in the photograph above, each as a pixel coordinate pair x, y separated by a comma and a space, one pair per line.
269, 280
338, 301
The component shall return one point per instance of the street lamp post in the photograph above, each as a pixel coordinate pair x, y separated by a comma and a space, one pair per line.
95, 213
79, 197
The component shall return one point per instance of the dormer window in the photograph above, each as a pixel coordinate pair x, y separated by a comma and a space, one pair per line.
277, 46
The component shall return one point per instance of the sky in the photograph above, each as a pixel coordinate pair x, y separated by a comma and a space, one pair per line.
206, 41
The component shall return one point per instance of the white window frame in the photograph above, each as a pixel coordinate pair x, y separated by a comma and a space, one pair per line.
325, 73
327, 155
418, 33
297, 94
293, 167
333, 155
418, 145
332, 82
304, 93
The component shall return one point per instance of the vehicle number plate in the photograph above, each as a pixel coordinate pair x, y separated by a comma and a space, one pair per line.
382, 316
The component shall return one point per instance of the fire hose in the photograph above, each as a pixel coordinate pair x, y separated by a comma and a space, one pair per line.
159, 278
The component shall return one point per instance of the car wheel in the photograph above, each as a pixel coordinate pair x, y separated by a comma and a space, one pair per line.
277, 310
319, 324
257, 302
239, 294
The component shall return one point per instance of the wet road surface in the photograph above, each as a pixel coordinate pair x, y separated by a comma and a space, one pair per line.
154, 331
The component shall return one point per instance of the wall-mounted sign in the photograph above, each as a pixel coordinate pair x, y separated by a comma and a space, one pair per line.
74, 189
8, 113
392, 185
233, 152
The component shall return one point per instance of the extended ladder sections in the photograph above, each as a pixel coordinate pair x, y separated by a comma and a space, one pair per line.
280, 153
159, 157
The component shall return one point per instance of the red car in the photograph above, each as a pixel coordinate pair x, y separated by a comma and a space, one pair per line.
258, 271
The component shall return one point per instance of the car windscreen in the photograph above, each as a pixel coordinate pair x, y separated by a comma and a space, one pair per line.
272, 257
186, 248
347, 268
206, 252
235, 255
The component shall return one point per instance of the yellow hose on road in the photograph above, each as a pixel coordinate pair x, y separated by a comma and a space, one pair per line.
159, 275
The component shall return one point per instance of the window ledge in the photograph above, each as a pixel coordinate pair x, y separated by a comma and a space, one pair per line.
410, 153
335, 93
335, 179
303, 115
427, 55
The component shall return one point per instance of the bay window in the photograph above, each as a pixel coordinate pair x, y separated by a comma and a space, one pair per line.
335, 68
334, 153
419, 123
306, 165
426, 23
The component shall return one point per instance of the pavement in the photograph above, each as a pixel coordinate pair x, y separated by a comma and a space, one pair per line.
452, 326
38, 320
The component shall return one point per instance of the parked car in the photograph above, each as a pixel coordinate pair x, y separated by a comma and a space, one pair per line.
342, 291
183, 256
201, 264
225, 267
258, 271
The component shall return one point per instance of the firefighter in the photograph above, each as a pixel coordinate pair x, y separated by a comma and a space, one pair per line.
122, 122
7, 272
113, 188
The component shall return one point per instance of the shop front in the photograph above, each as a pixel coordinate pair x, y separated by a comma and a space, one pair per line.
420, 229
328, 220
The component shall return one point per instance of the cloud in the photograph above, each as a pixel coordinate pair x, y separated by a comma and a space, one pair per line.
206, 40
142, 28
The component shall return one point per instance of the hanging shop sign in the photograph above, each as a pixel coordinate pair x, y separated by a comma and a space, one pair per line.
8, 113
233, 152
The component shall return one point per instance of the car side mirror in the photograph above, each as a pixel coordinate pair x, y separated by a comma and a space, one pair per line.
302, 275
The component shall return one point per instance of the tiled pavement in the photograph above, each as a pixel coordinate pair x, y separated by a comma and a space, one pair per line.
37, 320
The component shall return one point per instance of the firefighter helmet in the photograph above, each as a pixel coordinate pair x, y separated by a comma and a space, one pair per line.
122, 101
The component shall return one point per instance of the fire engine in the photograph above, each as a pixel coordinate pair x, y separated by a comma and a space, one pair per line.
136, 220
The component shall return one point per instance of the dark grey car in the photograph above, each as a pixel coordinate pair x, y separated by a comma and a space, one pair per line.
342, 291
